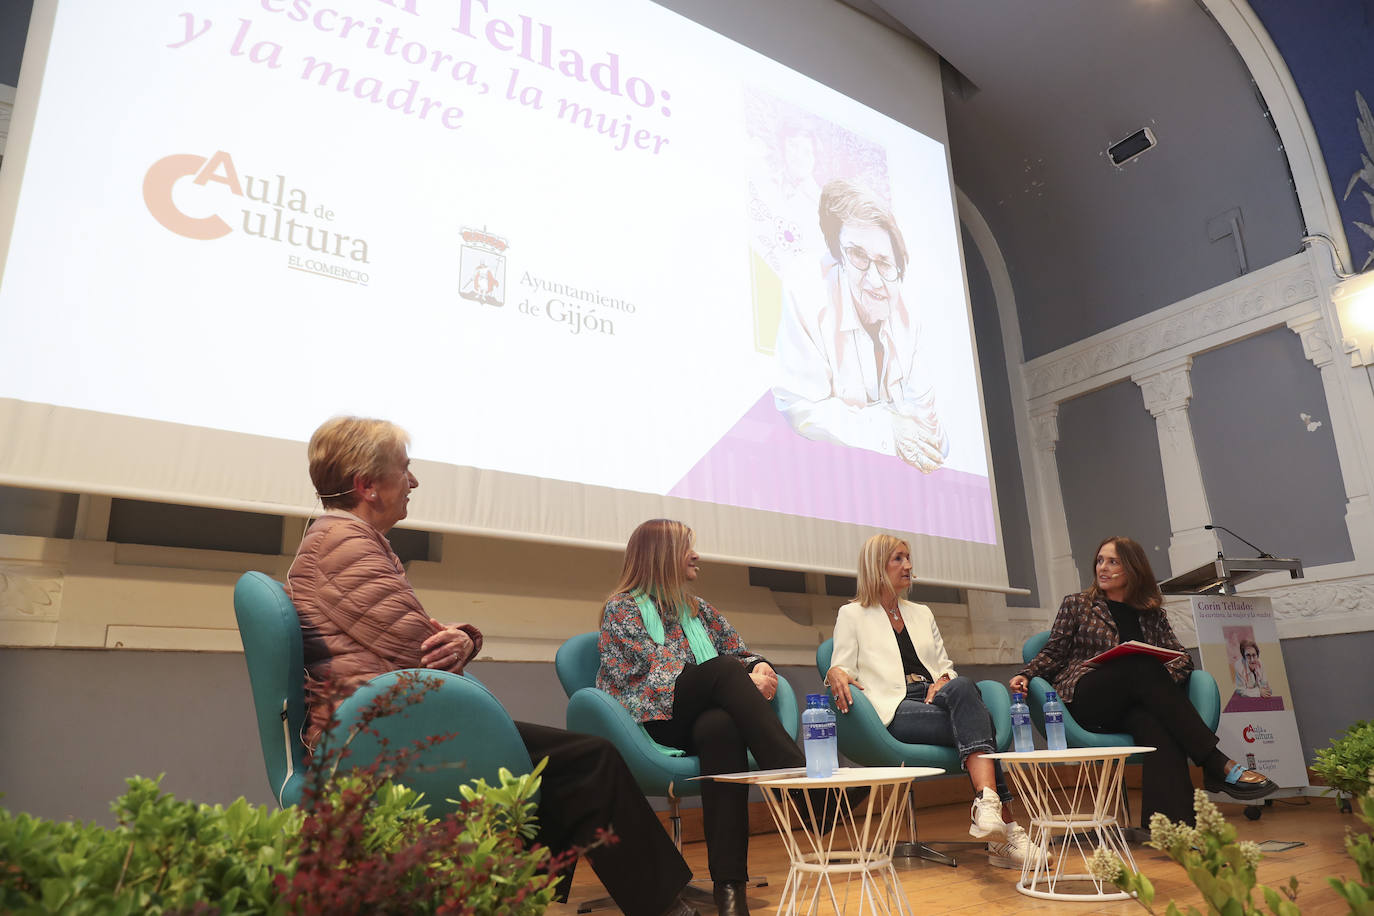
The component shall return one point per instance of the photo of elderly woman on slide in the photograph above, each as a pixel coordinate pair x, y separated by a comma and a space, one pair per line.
1250, 679
851, 368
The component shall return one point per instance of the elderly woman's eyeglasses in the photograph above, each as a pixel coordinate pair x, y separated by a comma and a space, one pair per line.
860, 261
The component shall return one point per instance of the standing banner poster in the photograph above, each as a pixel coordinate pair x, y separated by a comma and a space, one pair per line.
1240, 648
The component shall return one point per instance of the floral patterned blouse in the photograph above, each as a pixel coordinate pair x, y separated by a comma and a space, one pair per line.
641, 674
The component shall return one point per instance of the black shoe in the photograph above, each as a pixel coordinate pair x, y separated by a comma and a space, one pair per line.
1241, 791
681, 907
1135, 836
730, 899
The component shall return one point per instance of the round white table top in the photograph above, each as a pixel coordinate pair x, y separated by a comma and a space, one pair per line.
844, 776
1069, 755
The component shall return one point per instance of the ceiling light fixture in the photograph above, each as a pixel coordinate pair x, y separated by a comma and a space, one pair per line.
1123, 151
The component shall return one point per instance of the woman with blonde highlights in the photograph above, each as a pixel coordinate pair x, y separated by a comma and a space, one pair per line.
892, 650
681, 670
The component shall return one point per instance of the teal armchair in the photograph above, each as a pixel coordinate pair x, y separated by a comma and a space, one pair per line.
485, 739
1202, 692
865, 740
596, 712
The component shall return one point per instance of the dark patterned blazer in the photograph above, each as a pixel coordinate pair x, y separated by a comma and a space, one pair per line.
1083, 628
642, 674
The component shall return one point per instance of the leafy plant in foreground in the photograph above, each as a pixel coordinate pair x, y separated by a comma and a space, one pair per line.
358, 843
1223, 869
1347, 763
164, 857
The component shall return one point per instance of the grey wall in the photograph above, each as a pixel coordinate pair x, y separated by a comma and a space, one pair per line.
78, 722
1268, 477
1089, 245
14, 28
1006, 459
1324, 674
1111, 475
37, 513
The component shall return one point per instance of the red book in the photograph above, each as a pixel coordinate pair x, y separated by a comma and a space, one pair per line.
1134, 647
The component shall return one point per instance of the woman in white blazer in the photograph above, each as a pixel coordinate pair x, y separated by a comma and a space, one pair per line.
891, 649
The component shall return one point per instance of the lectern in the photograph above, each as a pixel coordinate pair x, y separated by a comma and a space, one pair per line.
1222, 575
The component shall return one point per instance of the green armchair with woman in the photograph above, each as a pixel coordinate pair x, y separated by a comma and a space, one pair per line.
1137, 694
891, 649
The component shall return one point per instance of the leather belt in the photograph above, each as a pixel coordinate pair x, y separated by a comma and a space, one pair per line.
916, 679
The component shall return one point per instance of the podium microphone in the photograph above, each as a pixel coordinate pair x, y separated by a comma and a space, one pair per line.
1263, 554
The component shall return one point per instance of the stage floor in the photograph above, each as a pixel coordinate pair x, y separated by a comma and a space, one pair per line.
976, 887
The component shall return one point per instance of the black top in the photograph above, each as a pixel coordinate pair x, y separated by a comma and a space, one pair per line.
911, 662
1127, 621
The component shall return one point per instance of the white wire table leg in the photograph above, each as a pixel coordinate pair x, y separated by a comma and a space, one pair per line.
858, 847
1082, 810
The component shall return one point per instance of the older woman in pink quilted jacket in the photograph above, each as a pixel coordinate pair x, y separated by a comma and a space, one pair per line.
361, 618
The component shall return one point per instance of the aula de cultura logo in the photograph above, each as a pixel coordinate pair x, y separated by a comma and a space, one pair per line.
272, 209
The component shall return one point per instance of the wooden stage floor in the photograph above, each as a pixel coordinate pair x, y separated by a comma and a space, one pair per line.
975, 887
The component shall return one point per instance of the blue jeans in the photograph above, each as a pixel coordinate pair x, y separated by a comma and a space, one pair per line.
955, 717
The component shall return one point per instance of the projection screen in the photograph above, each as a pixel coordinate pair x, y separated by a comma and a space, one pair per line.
576, 250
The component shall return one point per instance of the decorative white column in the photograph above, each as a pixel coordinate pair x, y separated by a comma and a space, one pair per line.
1053, 521
1351, 449
1167, 392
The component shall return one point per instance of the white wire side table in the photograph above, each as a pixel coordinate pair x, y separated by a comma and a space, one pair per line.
1074, 794
859, 848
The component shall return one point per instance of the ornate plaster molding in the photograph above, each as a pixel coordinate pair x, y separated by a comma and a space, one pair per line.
1168, 389
1352, 597
1045, 428
1256, 295
1313, 608
1316, 343
30, 592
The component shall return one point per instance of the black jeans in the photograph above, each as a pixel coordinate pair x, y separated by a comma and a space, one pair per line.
720, 716
1136, 694
587, 786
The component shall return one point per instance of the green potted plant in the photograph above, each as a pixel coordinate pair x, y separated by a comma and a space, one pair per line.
1345, 765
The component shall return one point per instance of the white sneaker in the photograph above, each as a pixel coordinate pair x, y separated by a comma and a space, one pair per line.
1014, 850
986, 815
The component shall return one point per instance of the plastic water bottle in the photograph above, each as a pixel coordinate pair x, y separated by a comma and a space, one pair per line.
1021, 724
1054, 722
818, 737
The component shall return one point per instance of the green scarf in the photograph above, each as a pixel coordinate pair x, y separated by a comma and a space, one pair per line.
702, 648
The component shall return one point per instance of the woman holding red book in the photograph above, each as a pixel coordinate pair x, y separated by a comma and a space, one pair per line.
1136, 694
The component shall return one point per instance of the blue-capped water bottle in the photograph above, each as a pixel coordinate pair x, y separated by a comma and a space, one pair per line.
1021, 737
1054, 722
818, 737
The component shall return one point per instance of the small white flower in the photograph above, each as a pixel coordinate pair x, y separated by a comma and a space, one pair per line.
1209, 818
1166, 834
1105, 865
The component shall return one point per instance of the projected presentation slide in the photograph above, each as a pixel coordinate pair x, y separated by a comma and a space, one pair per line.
588, 242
